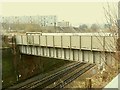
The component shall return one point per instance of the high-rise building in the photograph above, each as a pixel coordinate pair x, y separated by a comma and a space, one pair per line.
50, 20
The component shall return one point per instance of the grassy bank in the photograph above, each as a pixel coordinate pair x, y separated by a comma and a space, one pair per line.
8, 74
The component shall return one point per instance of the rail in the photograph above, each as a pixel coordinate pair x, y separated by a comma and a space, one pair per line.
51, 78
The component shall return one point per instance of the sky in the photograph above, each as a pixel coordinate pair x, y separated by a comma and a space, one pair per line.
74, 12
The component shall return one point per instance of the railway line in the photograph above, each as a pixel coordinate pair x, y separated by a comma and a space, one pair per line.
60, 78
70, 77
45, 79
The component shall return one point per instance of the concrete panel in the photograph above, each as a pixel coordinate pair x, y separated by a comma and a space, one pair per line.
75, 42
86, 56
96, 57
24, 37
42, 51
62, 52
86, 42
33, 51
42, 40
28, 51
45, 51
90, 57
39, 51
57, 41
97, 43
36, 39
51, 52
36, 50
110, 44
80, 56
108, 57
50, 41
67, 54
59, 53
76, 55
66, 41
55, 53
71, 55
18, 40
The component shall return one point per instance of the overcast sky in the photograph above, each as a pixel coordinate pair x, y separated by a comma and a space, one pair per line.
75, 12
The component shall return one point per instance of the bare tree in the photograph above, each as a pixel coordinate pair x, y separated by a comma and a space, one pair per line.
111, 19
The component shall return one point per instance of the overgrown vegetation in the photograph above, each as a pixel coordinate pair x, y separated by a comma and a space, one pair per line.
8, 72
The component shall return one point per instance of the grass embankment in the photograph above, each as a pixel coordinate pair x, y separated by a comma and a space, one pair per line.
8, 74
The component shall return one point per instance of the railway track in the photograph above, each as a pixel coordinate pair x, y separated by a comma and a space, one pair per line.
51, 78
69, 78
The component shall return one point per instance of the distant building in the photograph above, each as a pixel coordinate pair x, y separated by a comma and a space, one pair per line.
50, 20
10, 19
63, 24
3, 20
24, 19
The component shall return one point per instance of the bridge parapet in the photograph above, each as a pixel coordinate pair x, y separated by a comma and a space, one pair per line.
95, 43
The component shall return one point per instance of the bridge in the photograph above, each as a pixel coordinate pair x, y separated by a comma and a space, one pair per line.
81, 47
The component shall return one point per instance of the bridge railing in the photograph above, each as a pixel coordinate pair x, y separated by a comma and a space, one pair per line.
96, 43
